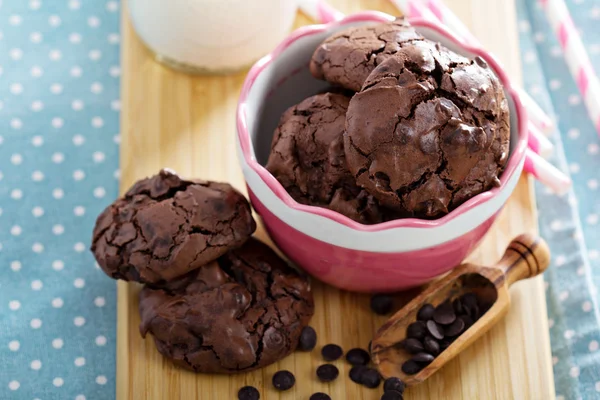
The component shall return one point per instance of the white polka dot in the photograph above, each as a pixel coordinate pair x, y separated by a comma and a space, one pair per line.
573, 133
96, 88
574, 99
57, 343
556, 225
57, 302
574, 168
530, 57
93, 22
35, 4
16, 88
593, 254
57, 158
117, 174
115, 105
114, 71
592, 219
78, 140
593, 148
76, 71
99, 301
14, 305
37, 105
58, 193
574, 372
35, 37
99, 192
75, 38
592, 184
555, 84
58, 122
554, 360
16, 159
95, 55
569, 333
101, 380
79, 211
37, 247
117, 139
74, 4
595, 48
16, 194
37, 211
550, 323
55, 55
77, 105
16, 230
36, 365
560, 260
586, 306
14, 345
97, 122
559, 397
562, 296
15, 20
524, 26
16, 123
112, 6
556, 51
79, 247
35, 323
595, 13
37, 141
581, 271
37, 176
593, 346
58, 382
16, 54
14, 385
37, 285
58, 229
58, 265
79, 362
54, 20
100, 340
78, 175
56, 88
79, 283
80, 397
15, 265
36, 71
79, 321
98, 156
114, 38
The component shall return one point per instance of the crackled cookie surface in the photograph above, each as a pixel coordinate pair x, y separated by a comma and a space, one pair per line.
244, 311
429, 130
166, 226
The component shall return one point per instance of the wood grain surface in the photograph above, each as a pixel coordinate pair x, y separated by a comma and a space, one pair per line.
188, 123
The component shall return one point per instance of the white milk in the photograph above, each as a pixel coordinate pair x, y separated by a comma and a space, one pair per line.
212, 36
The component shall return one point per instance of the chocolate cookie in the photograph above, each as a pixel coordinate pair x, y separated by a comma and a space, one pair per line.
348, 57
307, 158
240, 313
166, 226
429, 130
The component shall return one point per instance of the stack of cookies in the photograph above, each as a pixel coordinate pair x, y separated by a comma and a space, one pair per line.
214, 298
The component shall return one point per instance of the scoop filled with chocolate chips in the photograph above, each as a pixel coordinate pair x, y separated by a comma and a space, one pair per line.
453, 312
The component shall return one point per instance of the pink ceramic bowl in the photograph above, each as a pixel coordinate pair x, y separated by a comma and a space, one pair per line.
385, 257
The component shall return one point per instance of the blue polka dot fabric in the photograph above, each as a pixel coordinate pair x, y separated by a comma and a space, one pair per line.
59, 135
570, 223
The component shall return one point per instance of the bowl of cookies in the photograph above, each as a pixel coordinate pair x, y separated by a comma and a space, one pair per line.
379, 151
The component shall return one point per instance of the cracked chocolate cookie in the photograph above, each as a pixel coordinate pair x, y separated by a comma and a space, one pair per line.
307, 158
166, 226
429, 130
240, 313
348, 57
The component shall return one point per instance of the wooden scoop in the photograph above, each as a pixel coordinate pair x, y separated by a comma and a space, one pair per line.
525, 257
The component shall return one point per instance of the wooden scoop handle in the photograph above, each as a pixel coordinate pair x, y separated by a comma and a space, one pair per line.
525, 257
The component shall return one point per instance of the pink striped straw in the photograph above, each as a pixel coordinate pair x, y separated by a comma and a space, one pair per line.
546, 173
575, 56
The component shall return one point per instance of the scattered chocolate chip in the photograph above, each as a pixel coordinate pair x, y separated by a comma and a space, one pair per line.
444, 344
248, 393
371, 378
356, 373
331, 352
308, 339
413, 346
444, 313
467, 320
423, 358
283, 380
416, 330
358, 357
394, 383
320, 396
382, 304
426, 312
458, 308
435, 330
392, 395
431, 345
411, 367
469, 300
481, 62
327, 372
474, 312
456, 328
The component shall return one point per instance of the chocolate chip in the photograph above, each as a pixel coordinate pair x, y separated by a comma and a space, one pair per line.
444, 313
283, 380
327, 372
435, 330
457, 305
444, 344
308, 339
331, 352
423, 358
416, 330
356, 373
431, 345
371, 378
474, 312
456, 328
358, 357
467, 320
426, 312
481, 62
382, 304
320, 396
392, 395
248, 393
413, 346
411, 367
394, 383
469, 300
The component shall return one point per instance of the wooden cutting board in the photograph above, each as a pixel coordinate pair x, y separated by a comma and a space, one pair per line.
188, 123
